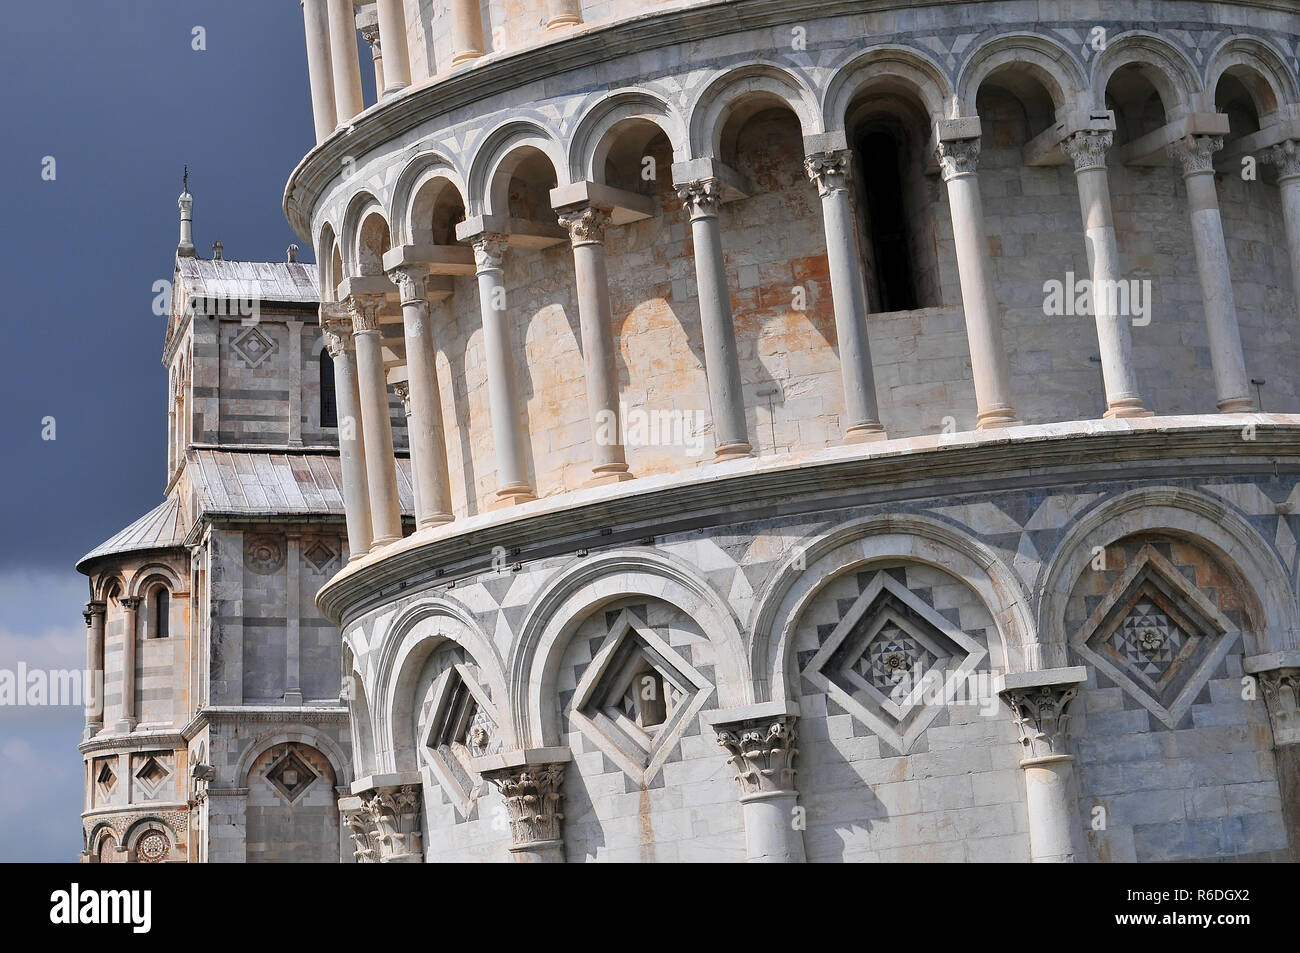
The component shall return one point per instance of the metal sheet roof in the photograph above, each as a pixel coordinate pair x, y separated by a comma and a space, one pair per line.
253, 483
264, 280
162, 527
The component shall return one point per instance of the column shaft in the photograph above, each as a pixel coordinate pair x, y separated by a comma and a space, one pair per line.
381, 464
830, 172
130, 607
513, 485
392, 36
1231, 383
94, 616
959, 159
1286, 156
562, 13
352, 447
466, 31
315, 15
343, 56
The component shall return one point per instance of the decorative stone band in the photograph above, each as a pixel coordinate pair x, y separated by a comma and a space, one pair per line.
1196, 153
763, 752
1039, 703
958, 157
489, 251
586, 225
829, 171
532, 795
365, 313
1087, 148
1278, 676
1286, 156
701, 198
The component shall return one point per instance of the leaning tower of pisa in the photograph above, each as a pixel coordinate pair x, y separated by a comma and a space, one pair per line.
840, 430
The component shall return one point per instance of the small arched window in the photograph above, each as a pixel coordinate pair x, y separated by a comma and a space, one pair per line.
162, 601
329, 410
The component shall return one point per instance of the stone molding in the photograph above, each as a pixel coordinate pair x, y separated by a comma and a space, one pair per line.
762, 751
829, 171
1087, 148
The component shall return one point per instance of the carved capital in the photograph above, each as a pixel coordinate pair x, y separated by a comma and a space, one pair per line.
1286, 156
395, 814
586, 225
336, 342
130, 602
763, 752
370, 34
410, 281
93, 609
532, 796
364, 833
701, 198
365, 313
829, 171
1041, 714
489, 251
403, 391
958, 157
1087, 148
1281, 690
1196, 153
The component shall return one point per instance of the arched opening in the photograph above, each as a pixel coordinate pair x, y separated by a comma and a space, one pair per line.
1135, 99
160, 613
633, 155
436, 210
373, 240
329, 410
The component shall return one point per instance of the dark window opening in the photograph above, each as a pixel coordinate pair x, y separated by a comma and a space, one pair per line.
329, 410
881, 191
162, 612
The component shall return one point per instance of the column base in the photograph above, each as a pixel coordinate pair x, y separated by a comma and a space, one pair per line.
865, 433
732, 451
513, 496
394, 91
293, 699
538, 852
1236, 405
125, 726
609, 473
466, 57
434, 521
999, 415
565, 20
1126, 407
92, 729
379, 544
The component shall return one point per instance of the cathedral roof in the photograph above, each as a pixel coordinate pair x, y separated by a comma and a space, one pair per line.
293, 282
163, 527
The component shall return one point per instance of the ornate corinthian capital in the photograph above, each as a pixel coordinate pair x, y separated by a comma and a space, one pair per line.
586, 225
762, 752
365, 835
365, 313
958, 157
1196, 153
701, 198
410, 283
395, 817
1281, 690
1042, 717
1087, 148
829, 171
489, 251
532, 796
1286, 156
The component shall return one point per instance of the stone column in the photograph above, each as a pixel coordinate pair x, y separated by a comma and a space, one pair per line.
829, 171
762, 751
94, 616
370, 33
562, 13
1286, 156
1231, 383
701, 200
292, 617
343, 55
532, 795
428, 442
513, 485
1039, 703
959, 161
381, 464
1087, 149
466, 32
397, 57
130, 608
352, 447
1278, 677
395, 821
586, 228
315, 16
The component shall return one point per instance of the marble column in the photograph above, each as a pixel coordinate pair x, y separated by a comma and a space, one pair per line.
532, 795
702, 199
1039, 703
343, 57
397, 56
513, 485
762, 752
959, 162
352, 447
428, 441
466, 32
1231, 382
562, 13
381, 463
829, 171
1286, 156
315, 17
1278, 677
94, 616
370, 33
1087, 150
586, 227
130, 609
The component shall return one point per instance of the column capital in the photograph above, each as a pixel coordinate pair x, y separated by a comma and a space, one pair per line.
410, 279
701, 198
403, 391
763, 752
370, 33
130, 602
1087, 148
394, 813
1286, 156
532, 795
337, 341
365, 312
829, 171
489, 251
958, 157
95, 607
586, 224
1039, 703
1196, 153
1281, 690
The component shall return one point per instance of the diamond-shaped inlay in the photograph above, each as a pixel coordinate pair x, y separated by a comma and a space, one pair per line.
461, 725
893, 661
636, 698
291, 775
1156, 636
318, 555
106, 779
252, 346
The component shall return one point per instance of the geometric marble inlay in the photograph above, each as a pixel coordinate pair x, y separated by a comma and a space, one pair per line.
291, 776
461, 725
253, 347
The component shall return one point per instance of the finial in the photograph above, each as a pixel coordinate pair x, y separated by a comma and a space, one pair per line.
185, 247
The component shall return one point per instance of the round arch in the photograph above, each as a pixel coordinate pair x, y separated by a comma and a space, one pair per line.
1047, 61
1199, 519
421, 174
147, 573
299, 734
360, 207
708, 114
583, 588
326, 248
1275, 86
1169, 70
588, 146
912, 538
498, 152
888, 65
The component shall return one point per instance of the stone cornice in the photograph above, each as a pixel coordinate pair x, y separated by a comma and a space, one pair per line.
135, 741
263, 714
917, 468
